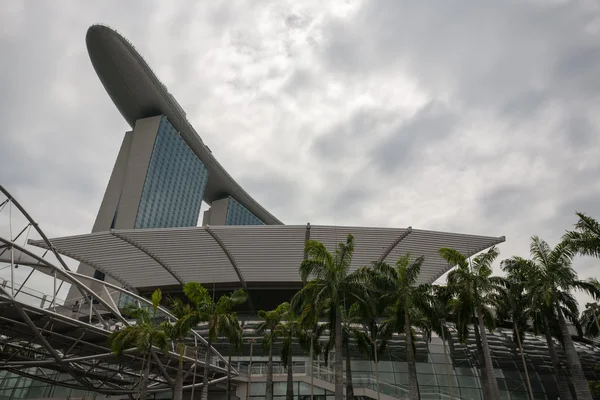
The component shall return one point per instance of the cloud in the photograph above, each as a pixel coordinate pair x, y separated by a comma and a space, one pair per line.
478, 118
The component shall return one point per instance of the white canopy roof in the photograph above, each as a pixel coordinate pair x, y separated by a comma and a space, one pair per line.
271, 253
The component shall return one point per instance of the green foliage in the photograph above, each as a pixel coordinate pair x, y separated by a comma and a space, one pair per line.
585, 239
472, 287
147, 332
219, 315
590, 320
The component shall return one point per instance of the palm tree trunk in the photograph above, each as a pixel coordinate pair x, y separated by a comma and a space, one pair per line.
376, 367
270, 372
483, 375
338, 365
312, 363
446, 359
178, 388
204, 389
561, 380
289, 392
487, 357
516, 328
146, 376
413, 380
349, 385
580, 383
228, 390
194, 377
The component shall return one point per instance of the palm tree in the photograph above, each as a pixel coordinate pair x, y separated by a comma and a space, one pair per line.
177, 332
330, 285
551, 280
441, 311
543, 317
514, 305
267, 327
590, 320
472, 284
398, 287
235, 337
143, 336
219, 317
350, 330
288, 330
309, 321
585, 239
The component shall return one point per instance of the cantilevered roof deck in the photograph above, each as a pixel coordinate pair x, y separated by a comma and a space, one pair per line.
144, 258
138, 93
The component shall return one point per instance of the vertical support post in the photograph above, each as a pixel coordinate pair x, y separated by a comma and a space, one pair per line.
12, 252
250, 371
92, 305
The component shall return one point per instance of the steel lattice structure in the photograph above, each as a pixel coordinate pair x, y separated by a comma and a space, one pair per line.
41, 333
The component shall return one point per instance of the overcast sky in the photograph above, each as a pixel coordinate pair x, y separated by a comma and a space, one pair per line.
476, 117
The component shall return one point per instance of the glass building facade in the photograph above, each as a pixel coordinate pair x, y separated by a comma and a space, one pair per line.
237, 214
174, 185
441, 368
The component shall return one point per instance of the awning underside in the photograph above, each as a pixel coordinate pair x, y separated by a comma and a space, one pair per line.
228, 254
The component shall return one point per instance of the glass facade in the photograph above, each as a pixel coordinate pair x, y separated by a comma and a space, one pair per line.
174, 185
237, 214
14, 387
437, 375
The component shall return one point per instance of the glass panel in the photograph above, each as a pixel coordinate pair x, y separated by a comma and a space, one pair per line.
468, 381
259, 389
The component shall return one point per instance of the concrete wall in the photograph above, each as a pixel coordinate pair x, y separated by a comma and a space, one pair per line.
124, 189
217, 214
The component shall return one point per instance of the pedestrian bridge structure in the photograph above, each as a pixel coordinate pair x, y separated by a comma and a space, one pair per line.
64, 343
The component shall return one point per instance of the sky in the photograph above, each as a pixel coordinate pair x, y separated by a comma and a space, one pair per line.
476, 117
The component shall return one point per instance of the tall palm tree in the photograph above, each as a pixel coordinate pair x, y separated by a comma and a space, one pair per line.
330, 285
542, 317
309, 319
351, 330
219, 317
441, 311
585, 239
551, 281
143, 336
472, 283
177, 332
590, 320
514, 305
397, 286
236, 343
268, 328
289, 330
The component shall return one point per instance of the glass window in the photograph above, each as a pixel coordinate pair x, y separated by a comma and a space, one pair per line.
259, 389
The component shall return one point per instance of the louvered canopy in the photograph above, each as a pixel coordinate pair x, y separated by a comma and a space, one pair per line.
142, 258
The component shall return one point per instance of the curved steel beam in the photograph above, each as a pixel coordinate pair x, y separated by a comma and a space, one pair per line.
231, 260
392, 246
36, 226
228, 255
148, 253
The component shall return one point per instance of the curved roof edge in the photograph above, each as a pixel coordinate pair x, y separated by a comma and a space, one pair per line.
138, 93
